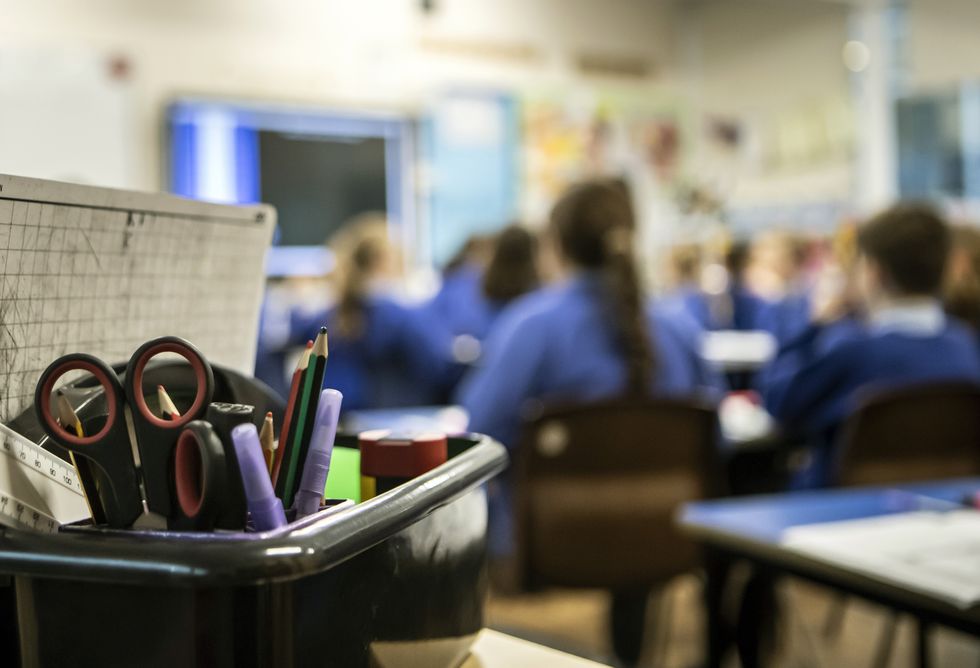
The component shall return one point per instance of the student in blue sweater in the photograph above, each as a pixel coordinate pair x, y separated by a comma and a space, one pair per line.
588, 338
383, 353
591, 337
817, 379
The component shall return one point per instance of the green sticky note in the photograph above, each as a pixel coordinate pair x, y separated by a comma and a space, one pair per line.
344, 478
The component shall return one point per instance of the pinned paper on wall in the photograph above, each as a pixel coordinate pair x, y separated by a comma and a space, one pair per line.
100, 271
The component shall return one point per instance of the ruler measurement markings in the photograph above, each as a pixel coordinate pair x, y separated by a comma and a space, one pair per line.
45, 463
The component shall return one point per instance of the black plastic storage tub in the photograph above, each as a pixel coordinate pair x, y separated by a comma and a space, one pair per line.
403, 574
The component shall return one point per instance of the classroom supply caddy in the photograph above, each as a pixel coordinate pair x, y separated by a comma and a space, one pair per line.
399, 576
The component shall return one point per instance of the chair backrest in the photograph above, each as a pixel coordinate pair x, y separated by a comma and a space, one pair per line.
597, 487
922, 432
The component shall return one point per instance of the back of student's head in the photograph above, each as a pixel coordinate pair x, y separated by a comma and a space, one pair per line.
685, 265
475, 251
909, 244
961, 287
363, 253
593, 225
513, 267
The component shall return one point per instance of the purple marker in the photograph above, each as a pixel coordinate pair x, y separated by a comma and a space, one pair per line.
263, 506
317, 465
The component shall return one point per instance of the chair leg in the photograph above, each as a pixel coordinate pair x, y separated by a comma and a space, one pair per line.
922, 642
664, 606
627, 622
756, 626
886, 641
833, 621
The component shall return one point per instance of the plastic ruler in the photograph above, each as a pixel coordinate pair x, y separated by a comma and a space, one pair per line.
38, 490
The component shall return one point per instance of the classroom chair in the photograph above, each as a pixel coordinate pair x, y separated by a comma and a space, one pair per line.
921, 432
596, 490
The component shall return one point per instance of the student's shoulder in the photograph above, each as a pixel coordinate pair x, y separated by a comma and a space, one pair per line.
665, 316
540, 302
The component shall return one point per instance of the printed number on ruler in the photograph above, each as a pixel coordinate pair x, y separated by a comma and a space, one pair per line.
21, 515
14, 445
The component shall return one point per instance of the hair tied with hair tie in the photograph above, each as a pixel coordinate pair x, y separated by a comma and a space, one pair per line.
619, 241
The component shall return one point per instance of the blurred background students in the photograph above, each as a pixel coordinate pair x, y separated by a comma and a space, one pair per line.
457, 303
779, 272
721, 298
592, 336
961, 290
906, 337
501, 268
382, 352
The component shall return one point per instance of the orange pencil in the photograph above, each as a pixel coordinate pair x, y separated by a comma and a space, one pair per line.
268, 440
291, 406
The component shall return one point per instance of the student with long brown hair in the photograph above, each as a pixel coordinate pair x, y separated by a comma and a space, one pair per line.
588, 338
382, 352
591, 337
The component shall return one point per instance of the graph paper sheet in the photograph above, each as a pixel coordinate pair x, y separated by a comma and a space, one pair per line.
100, 271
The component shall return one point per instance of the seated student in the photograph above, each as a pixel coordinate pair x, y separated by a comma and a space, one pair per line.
780, 271
905, 339
511, 272
590, 337
961, 289
456, 304
724, 301
382, 353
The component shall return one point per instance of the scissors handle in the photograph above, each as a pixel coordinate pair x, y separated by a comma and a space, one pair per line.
200, 477
108, 449
156, 437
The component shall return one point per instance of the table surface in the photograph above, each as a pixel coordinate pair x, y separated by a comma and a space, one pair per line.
450, 419
764, 518
752, 527
498, 650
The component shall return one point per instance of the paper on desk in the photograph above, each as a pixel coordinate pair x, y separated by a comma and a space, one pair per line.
935, 553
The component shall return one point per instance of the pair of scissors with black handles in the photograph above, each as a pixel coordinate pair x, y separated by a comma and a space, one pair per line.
177, 466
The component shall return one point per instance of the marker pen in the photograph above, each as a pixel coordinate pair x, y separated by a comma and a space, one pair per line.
317, 465
264, 508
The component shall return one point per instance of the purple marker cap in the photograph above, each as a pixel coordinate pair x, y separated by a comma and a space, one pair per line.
263, 506
317, 465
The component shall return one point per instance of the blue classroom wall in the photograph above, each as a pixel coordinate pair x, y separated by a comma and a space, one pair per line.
470, 144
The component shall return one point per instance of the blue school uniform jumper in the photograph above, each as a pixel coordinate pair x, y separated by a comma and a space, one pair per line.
811, 395
747, 310
398, 359
556, 345
460, 304
786, 318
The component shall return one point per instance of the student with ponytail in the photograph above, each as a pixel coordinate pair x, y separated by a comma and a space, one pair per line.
591, 337
382, 353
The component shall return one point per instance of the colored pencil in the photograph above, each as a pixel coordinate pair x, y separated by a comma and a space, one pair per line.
67, 416
290, 419
302, 430
268, 440
167, 407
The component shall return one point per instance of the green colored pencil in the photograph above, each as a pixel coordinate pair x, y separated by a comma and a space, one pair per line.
307, 410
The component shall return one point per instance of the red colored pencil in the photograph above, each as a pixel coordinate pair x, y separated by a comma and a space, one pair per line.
284, 435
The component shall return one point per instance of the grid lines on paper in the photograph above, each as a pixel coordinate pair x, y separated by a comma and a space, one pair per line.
77, 278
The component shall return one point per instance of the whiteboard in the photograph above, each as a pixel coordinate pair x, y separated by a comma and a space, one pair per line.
66, 114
